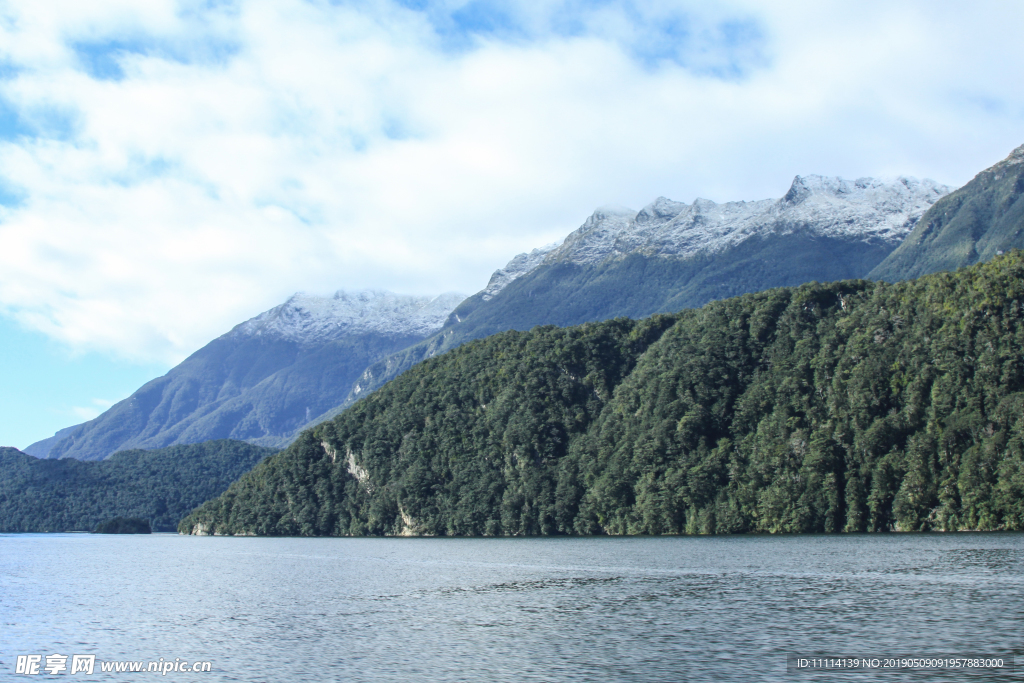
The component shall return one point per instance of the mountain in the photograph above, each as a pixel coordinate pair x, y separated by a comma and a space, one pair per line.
847, 406
306, 361
672, 255
159, 486
264, 378
982, 219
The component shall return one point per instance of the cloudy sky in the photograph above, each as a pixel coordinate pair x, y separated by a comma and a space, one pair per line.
169, 168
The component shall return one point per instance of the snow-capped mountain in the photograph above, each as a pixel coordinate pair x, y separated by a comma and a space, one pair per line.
866, 210
262, 380
310, 319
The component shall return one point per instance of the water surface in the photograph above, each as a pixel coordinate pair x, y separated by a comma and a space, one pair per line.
560, 609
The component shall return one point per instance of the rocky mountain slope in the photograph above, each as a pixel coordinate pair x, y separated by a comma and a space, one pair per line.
982, 219
263, 379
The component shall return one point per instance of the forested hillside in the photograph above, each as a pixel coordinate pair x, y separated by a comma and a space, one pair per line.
849, 406
160, 486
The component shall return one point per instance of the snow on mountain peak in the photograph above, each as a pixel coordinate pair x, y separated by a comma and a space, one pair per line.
862, 209
308, 318
659, 210
519, 265
1016, 156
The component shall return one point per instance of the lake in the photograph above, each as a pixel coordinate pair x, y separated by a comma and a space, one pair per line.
737, 608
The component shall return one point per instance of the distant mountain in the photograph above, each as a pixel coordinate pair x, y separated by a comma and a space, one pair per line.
982, 219
673, 255
845, 406
159, 486
263, 379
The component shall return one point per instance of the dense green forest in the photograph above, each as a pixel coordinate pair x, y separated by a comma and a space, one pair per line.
849, 406
159, 486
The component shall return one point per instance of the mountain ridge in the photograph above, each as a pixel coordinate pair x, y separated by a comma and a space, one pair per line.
667, 256
311, 319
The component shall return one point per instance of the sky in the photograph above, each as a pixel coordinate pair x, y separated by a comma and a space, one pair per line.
171, 168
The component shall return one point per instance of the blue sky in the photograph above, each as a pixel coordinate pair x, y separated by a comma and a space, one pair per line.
171, 168
47, 387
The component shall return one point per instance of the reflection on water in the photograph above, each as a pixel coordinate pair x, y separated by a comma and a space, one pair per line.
604, 609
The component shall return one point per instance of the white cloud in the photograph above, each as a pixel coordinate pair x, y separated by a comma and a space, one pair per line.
244, 152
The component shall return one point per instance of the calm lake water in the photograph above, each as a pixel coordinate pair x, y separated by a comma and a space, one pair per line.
596, 609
